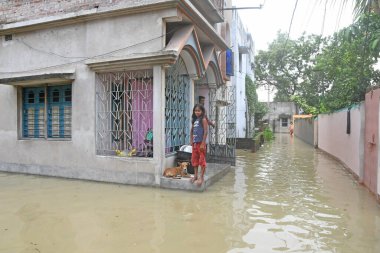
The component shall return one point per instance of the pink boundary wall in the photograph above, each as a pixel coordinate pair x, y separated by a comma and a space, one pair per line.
371, 140
333, 139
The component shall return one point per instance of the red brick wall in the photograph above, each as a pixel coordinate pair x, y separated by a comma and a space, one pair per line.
20, 10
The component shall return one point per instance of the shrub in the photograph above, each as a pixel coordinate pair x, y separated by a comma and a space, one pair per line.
268, 134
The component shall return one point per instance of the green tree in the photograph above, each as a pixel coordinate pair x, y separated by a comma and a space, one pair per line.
366, 30
346, 66
255, 108
323, 74
362, 8
287, 64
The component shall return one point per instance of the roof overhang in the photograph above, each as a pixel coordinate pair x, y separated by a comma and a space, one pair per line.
136, 61
184, 42
203, 26
209, 10
244, 49
24, 79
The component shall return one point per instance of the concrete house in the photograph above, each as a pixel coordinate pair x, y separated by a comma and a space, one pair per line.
243, 49
81, 80
280, 115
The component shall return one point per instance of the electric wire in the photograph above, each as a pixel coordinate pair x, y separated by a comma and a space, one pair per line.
87, 58
290, 25
337, 23
47, 52
309, 15
324, 19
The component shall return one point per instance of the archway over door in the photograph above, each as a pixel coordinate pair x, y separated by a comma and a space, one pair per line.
220, 105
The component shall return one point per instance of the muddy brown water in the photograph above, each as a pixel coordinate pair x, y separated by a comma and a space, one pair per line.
288, 197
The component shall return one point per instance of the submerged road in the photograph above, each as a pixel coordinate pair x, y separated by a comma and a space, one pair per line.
288, 197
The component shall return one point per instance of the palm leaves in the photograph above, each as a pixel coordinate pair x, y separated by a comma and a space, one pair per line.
367, 13
360, 6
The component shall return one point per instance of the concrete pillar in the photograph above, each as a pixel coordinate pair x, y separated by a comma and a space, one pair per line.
378, 156
158, 121
362, 142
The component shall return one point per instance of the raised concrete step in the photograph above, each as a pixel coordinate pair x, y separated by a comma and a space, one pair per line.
214, 172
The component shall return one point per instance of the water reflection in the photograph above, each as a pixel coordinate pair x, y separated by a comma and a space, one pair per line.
303, 201
288, 197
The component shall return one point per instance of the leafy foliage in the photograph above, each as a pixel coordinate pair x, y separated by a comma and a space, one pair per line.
254, 106
366, 29
323, 74
286, 65
346, 65
361, 6
268, 134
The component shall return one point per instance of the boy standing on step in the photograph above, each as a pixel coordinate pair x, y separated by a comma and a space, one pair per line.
198, 136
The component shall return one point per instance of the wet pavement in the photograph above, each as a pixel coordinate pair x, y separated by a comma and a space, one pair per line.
288, 197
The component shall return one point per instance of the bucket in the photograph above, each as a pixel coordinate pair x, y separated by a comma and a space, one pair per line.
186, 148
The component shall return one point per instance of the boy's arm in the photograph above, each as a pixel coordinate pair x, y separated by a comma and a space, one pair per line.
209, 122
191, 135
205, 131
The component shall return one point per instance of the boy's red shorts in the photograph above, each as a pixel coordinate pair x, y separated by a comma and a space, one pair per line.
198, 157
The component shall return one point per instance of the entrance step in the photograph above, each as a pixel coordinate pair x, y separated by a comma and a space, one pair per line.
214, 172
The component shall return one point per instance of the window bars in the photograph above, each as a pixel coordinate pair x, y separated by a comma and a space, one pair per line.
222, 144
58, 107
124, 113
177, 107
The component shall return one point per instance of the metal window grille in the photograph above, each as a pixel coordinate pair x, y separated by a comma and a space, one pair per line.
124, 109
177, 107
58, 104
222, 146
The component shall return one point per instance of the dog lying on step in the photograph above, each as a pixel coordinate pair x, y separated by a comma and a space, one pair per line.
181, 170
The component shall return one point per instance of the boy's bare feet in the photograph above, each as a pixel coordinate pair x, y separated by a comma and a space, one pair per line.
193, 179
199, 182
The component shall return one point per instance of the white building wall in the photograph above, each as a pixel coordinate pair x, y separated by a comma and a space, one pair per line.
242, 67
74, 158
277, 112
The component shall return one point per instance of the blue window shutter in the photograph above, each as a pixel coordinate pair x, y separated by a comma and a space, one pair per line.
59, 111
229, 62
33, 112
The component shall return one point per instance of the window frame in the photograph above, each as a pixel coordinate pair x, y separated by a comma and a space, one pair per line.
46, 88
283, 120
132, 106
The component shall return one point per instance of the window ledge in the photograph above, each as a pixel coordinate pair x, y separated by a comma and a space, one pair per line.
126, 158
45, 139
52, 78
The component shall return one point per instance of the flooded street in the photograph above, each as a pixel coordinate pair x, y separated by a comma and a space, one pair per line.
288, 197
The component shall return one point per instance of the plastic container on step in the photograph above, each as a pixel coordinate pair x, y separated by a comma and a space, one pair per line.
186, 148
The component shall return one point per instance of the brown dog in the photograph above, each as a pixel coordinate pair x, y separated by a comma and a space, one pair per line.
180, 170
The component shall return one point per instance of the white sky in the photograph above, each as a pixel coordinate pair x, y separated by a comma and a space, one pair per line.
276, 15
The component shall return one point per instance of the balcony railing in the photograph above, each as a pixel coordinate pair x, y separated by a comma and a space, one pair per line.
219, 5
211, 9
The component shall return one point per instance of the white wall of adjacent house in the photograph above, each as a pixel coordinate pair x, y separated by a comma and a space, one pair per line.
33, 52
242, 67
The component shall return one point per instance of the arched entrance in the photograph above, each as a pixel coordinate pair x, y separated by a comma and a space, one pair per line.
177, 107
220, 104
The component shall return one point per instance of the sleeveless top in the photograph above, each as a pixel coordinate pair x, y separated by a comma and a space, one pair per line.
198, 131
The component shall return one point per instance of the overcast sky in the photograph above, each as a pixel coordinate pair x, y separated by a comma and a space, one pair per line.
276, 15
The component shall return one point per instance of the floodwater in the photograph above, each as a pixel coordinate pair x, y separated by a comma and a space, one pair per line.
288, 197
